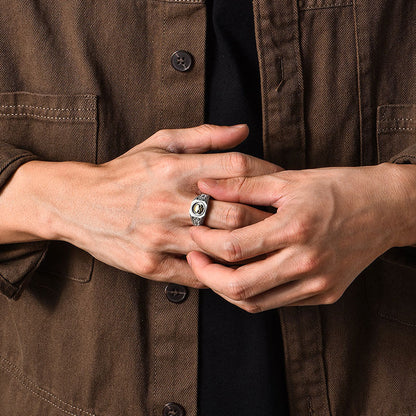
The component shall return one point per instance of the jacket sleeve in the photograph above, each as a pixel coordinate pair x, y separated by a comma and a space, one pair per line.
407, 156
17, 261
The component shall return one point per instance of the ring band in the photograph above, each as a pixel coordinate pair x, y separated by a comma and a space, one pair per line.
198, 209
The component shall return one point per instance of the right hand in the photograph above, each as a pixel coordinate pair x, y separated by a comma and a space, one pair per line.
132, 213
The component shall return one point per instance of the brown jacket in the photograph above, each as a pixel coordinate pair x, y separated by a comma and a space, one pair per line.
88, 80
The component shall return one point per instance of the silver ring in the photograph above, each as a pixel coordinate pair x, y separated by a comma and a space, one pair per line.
198, 209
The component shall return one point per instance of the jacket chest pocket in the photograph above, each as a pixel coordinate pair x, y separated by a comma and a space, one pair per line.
54, 128
392, 287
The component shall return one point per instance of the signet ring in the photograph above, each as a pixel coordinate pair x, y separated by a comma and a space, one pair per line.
198, 209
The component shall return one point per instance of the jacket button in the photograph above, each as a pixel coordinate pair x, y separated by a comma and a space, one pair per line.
176, 293
181, 61
173, 409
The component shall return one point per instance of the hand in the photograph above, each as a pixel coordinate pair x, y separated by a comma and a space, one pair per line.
132, 212
330, 225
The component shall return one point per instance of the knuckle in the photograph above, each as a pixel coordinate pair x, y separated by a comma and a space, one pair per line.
238, 163
251, 307
195, 284
167, 166
156, 239
235, 216
236, 291
331, 298
161, 134
232, 251
319, 285
301, 229
147, 266
155, 207
309, 264
205, 128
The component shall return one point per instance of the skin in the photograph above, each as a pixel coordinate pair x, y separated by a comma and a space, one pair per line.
330, 224
132, 212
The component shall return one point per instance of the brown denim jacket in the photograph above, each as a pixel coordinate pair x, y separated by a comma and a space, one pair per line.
88, 80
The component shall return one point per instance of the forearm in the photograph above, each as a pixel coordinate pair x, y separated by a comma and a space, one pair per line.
31, 202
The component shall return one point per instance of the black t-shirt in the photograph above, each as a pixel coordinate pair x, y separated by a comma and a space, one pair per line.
241, 364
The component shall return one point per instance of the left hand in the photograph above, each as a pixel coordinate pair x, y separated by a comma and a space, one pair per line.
329, 226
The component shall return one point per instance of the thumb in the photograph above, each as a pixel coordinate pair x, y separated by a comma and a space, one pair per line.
200, 139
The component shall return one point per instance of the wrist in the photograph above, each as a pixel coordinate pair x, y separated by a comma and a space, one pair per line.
23, 218
39, 197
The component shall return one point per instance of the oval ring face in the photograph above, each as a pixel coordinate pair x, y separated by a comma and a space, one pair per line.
198, 209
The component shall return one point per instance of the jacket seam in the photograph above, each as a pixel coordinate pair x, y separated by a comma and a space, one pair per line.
183, 1
296, 47
24, 381
390, 129
44, 117
358, 67
37, 107
397, 119
395, 319
324, 365
264, 88
325, 6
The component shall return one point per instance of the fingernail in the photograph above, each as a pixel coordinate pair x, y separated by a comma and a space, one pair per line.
188, 257
239, 126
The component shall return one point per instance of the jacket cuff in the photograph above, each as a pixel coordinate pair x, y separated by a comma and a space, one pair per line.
407, 156
11, 159
17, 261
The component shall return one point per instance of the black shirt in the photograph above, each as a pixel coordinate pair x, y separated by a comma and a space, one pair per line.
241, 367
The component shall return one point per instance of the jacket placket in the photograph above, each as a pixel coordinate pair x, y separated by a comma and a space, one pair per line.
277, 35
173, 327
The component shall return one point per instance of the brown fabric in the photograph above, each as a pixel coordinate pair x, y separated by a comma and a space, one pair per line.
89, 80
17, 263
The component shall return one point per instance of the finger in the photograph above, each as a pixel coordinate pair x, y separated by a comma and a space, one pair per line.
309, 301
175, 270
322, 299
272, 299
278, 297
228, 216
176, 237
244, 243
243, 282
199, 139
227, 165
302, 292
261, 190
177, 241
